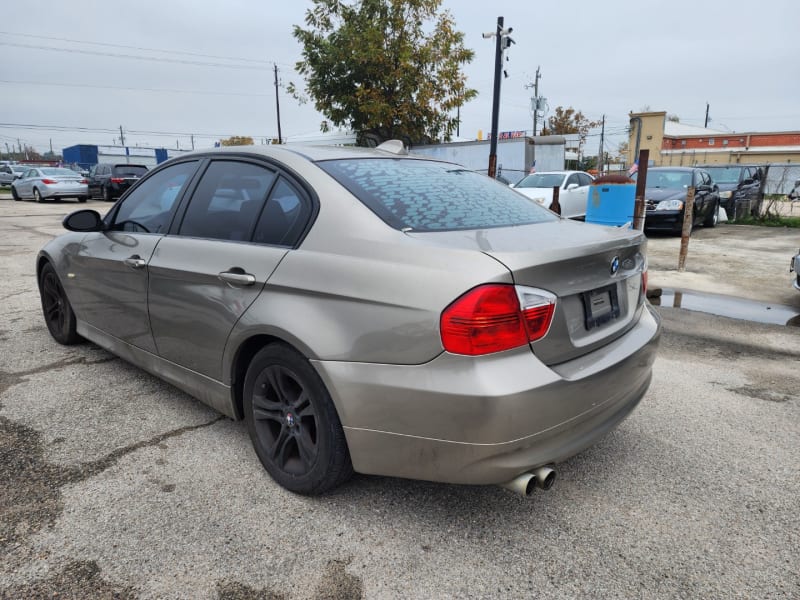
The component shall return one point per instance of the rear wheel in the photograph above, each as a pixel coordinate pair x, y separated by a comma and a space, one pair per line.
713, 217
106, 194
36, 195
56, 308
293, 423
82, 199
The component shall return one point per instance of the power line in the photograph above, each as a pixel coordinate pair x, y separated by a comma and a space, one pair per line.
73, 129
195, 54
134, 57
131, 89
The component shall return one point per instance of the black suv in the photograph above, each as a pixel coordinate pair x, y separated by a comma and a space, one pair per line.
739, 188
109, 181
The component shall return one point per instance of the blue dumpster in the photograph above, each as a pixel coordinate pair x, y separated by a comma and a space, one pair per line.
611, 200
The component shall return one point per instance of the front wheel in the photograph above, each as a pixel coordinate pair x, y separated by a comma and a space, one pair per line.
293, 423
106, 194
56, 308
14, 194
713, 217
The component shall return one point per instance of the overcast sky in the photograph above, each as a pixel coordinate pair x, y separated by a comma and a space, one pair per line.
609, 58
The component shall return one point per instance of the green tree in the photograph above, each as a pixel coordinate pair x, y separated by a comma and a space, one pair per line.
237, 140
568, 120
384, 68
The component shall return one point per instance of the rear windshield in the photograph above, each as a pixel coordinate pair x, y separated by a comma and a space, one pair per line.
425, 195
58, 172
725, 174
129, 170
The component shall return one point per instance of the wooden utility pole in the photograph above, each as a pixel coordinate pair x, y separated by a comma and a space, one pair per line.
641, 183
688, 218
498, 68
600, 154
277, 104
706, 123
121, 137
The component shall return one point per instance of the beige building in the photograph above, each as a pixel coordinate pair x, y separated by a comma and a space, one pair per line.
677, 144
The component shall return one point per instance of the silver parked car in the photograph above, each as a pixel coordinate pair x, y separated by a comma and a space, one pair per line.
364, 310
41, 183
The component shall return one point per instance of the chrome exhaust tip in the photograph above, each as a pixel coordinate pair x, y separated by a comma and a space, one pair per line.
522, 484
545, 477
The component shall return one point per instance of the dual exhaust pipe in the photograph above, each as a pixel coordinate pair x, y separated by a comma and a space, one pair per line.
543, 477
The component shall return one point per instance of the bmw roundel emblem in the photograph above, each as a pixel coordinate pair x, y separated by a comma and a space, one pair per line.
614, 265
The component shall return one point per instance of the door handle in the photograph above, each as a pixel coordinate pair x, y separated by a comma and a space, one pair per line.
135, 261
237, 277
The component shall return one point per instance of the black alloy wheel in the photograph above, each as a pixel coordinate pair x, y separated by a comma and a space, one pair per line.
56, 308
293, 424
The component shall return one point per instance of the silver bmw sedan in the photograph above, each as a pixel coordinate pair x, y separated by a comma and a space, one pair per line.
364, 310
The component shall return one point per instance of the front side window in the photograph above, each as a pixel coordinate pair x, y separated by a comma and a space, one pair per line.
423, 195
149, 208
227, 201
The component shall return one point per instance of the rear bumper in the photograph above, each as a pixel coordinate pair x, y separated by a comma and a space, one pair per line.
487, 419
51, 191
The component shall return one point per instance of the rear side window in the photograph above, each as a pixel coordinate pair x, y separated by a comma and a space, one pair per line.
425, 195
284, 217
129, 170
228, 201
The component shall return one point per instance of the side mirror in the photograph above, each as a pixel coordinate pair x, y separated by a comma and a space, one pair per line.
703, 188
572, 186
748, 181
84, 221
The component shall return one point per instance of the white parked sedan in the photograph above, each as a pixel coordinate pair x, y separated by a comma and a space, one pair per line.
41, 183
572, 196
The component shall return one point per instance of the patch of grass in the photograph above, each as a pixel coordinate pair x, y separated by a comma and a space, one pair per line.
770, 221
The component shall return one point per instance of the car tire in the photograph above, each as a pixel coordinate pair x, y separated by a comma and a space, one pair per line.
37, 197
14, 194
57, 310
106, 194
82, 199
713, 217
293, 423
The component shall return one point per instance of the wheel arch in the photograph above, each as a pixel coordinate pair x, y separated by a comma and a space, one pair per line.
243, 356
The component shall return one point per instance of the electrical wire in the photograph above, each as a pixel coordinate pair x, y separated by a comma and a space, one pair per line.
133, 89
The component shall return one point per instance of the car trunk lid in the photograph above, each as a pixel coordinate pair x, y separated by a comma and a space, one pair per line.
594, 271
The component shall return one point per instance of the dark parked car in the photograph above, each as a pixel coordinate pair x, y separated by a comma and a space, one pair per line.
665, 198
364, 310
739, 185
109, 181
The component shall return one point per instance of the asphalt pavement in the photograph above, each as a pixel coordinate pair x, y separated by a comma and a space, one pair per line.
114, 484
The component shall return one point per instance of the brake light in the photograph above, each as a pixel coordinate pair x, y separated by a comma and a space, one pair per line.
84, 181
117, 180
495, 317
49, 181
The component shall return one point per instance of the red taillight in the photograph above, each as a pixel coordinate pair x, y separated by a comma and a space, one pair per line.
495, 317
49, 181
84, 181
117, 180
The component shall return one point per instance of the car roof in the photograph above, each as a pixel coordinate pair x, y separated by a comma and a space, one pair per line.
311, 153
663, 168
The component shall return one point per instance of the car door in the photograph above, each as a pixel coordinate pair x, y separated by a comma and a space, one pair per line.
702, 192
572, 200
25, 184
108, 281
92, 181
229, 241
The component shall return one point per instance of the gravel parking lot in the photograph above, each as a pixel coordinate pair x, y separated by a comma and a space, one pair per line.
113, 484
